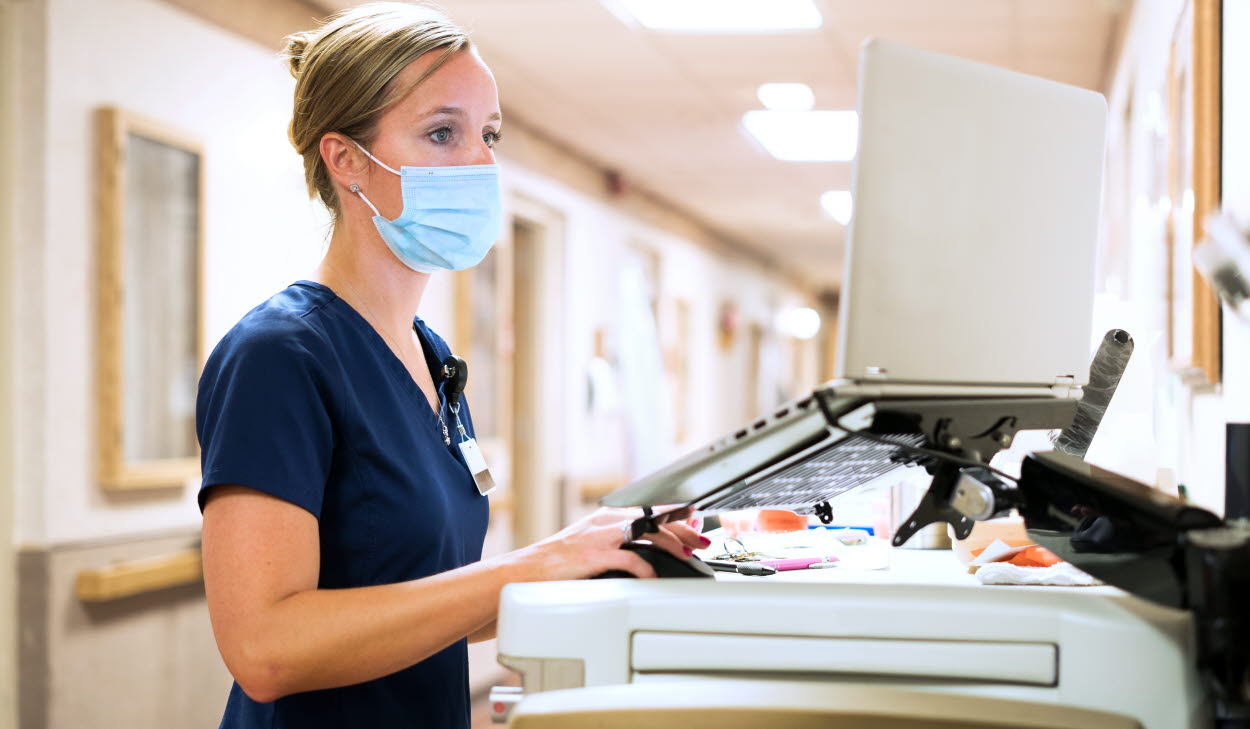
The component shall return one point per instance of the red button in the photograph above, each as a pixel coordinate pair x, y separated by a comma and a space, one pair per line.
499, 707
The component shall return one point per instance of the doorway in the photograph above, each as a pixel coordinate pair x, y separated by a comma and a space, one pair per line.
509, 322
541, 504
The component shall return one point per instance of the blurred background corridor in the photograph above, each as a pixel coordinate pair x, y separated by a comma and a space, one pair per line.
676, 196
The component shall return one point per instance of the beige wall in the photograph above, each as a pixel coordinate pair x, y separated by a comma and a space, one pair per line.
9, 132
142, 661
68, 57
232, 95
600, 234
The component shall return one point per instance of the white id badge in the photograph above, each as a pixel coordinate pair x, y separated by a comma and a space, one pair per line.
477, 466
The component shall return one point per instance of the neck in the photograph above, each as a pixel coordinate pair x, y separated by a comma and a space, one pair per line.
361, 269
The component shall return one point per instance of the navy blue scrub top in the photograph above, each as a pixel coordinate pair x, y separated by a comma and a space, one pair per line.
303, 400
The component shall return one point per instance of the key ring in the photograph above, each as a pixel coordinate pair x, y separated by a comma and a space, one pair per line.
742, 554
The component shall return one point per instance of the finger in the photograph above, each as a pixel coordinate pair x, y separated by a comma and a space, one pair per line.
628, 561
665, 540
687, 536
674, 512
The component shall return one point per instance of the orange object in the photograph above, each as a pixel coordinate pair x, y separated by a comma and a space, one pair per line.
1031, 556
779, 520
1034, 556
1009, 530
763, 520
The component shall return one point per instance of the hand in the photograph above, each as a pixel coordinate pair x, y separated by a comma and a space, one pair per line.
592, 544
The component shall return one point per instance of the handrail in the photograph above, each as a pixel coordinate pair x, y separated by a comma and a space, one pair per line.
126, 579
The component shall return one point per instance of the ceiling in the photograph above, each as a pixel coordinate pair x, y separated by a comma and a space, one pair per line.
665, 109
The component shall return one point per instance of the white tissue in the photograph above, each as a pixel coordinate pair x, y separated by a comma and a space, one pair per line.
1063, 573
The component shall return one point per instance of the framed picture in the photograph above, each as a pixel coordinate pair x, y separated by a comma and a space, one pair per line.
149, 333
1193, 176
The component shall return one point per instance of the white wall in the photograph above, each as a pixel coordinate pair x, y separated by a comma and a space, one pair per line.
1236, 192
261, 232
1159, 427
599, 238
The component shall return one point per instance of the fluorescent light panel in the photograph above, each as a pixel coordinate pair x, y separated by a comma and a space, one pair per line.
724, 16
838, 204
805, 136
786, 96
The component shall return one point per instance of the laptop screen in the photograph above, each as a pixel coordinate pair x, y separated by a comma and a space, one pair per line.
970, 254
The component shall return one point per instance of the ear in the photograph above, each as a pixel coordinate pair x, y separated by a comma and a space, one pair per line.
344, 160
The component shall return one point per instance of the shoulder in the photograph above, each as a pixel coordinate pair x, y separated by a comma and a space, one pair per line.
440, 346
285, 330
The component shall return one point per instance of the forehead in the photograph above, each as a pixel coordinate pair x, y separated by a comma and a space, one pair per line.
462, 82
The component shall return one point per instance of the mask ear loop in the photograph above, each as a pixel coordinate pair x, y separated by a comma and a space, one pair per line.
356, 188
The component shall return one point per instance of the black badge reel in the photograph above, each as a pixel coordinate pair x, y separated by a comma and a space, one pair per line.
456, 375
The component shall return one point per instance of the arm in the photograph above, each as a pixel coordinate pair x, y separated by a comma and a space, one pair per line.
279, 634
484, 633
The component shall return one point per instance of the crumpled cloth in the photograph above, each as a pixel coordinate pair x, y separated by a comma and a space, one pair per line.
1063, 574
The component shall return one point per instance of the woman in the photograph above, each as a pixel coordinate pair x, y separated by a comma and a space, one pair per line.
342, 527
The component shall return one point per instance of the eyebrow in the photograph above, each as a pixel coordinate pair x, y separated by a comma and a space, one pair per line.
457, 111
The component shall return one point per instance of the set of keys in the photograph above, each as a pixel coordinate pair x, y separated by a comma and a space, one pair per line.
746, 562
742, 561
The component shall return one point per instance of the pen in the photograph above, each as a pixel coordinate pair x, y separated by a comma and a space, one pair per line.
790, 564
743, 568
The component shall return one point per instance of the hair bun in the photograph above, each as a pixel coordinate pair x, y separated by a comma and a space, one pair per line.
296, 45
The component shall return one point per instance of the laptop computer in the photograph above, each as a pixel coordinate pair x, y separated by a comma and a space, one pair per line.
968, 288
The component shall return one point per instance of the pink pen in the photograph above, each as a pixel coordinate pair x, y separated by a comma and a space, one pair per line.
797, 563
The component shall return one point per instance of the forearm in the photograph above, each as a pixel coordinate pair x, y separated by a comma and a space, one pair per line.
320, 639
486, 632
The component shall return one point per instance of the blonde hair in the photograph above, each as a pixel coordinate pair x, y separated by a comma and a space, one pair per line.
344, 72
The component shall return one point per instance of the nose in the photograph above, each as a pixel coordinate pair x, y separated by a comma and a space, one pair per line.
483, 154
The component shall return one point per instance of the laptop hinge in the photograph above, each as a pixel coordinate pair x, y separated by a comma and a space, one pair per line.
876, 374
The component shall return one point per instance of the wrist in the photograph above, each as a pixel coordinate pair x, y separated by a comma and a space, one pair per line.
527, 564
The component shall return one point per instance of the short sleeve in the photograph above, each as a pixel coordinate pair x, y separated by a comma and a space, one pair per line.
262, 415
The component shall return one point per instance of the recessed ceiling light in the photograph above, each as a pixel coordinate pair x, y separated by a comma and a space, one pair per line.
805, 136
787, 96
723, 16
838, 204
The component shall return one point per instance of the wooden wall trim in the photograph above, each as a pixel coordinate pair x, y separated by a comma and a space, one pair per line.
1207, 55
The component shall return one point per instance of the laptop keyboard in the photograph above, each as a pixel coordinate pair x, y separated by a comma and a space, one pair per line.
844, 465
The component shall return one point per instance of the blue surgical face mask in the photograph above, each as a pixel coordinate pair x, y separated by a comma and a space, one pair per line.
451, 216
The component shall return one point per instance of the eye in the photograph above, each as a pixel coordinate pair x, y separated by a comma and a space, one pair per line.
492, 138
442, 135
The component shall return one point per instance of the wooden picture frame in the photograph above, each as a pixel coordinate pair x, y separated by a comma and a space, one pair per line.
149, 318
1193, 188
